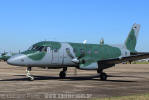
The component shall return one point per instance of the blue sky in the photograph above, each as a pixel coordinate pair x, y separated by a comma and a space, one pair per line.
24, 22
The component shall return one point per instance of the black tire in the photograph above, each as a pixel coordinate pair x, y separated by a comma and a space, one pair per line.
103, 76
99, 70
62, 75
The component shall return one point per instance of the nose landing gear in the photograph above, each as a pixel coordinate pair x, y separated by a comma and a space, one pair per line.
28, 75
62, 74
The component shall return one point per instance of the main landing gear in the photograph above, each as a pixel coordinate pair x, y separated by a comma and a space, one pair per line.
103, 76
28, 75
62, 74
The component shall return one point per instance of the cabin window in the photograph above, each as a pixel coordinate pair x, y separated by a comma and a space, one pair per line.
55, 50
68, 50
82, 51
89, 52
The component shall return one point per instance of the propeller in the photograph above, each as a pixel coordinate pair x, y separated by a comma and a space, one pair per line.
74, 59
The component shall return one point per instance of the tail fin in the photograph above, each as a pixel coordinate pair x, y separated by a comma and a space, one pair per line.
131, 40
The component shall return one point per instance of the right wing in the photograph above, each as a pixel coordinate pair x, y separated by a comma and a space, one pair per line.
133, 57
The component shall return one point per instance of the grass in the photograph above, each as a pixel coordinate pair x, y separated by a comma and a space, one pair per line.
135, 97
140, 62
137, 62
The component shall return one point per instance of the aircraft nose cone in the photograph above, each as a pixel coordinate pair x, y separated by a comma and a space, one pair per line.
11, 61
16, 60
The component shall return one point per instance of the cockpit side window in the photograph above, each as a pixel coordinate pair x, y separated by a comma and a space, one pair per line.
44, 49
36, 48
30, 48
39, 48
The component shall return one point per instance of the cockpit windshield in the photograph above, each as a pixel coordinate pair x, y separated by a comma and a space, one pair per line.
38, 48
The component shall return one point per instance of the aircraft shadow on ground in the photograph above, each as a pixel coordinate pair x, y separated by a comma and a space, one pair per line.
77, 78
125, 76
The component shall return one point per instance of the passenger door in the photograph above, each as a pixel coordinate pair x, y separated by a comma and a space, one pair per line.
68, 56
55, 57
49, 53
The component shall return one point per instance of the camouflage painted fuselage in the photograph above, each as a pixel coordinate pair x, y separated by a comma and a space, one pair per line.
61, 55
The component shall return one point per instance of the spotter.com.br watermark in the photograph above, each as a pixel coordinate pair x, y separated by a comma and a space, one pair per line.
45, 96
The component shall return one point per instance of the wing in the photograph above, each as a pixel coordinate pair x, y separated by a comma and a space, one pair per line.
88, 64
134, 56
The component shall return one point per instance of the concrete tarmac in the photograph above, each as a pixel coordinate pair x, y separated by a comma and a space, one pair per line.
123, 80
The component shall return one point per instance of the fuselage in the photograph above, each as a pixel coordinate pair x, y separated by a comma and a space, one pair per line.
62, 54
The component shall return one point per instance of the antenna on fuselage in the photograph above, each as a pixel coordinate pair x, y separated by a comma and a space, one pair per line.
85, 41
101, 41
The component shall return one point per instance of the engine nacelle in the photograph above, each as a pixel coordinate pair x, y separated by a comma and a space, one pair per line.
92, 66
103, 65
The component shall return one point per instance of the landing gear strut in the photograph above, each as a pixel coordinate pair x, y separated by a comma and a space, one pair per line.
103, 76
28, 75
62, 74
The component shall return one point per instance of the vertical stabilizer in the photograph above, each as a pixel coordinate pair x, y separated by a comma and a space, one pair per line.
131, 40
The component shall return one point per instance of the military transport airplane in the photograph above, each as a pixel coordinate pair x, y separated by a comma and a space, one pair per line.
6, 55
80, 55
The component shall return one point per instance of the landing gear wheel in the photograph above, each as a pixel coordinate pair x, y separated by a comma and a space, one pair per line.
99, 71
28, 75
62, 74
31, 78
103, 76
